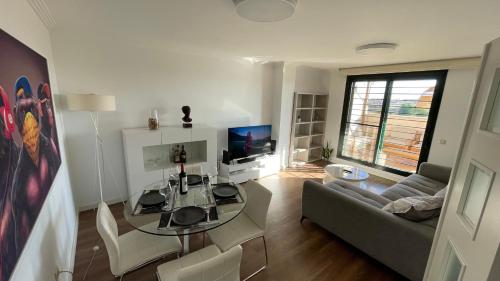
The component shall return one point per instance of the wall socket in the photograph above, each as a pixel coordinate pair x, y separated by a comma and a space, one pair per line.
442, 141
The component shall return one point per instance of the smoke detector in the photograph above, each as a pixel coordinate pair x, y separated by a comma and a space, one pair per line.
376, 48
265, 10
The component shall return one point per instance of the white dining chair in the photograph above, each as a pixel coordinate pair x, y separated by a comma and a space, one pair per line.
207, 264
133, 249
249, 225
193, 169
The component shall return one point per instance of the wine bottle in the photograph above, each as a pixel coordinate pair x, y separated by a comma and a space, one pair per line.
183, 186
177, 155
183, 155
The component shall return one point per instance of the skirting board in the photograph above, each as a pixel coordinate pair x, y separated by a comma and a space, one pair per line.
94, 205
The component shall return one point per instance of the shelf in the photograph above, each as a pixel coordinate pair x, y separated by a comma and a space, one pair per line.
306, 101
314, 155
314, 159
159, 157
304, 114
298, 163
308, 134
320, 101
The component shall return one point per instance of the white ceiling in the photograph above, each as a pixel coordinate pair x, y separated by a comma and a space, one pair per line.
322, 32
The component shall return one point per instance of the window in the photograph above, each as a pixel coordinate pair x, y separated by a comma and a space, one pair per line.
474, 196
388, 119
452, 267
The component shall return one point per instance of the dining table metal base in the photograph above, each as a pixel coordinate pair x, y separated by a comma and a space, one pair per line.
185, 244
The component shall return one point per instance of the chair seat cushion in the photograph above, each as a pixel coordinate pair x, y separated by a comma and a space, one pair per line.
235, 232
413, 185
170, 270
137, 248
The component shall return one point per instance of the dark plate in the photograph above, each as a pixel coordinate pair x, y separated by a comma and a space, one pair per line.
194, 179
189, 215
151, 198
225, 191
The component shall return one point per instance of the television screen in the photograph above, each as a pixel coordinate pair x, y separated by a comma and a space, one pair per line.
249, 141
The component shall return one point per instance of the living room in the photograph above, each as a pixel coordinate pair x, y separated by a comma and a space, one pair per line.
354, 140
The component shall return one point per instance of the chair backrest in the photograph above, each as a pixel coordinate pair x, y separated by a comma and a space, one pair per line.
108, 230
223, 267
193, 169
258, 200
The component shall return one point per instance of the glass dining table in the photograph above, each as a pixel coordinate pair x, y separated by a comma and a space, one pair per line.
203, 196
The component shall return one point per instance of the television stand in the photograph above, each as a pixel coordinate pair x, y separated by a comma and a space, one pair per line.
251, 169
246, 160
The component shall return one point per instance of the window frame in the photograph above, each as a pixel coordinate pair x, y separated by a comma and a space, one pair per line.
439, 75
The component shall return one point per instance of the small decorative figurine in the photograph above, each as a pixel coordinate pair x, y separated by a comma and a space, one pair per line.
186, 119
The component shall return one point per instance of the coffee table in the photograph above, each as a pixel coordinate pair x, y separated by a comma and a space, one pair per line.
344, 172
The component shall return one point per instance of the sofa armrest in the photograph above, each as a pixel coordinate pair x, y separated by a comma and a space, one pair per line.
435, 172
382, 235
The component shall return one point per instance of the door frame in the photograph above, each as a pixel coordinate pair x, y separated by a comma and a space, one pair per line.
451, 183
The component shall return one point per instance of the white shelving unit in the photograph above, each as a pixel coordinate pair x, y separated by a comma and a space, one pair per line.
148, 153
308, 127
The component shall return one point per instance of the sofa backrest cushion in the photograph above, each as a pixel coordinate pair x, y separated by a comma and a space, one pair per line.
358, 193
413, 185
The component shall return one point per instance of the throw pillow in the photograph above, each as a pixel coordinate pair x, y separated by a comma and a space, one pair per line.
442, 192
416, 208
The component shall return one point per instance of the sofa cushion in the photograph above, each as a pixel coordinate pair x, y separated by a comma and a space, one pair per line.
442, 192
430, 222
417, 208
358, 193
414, 185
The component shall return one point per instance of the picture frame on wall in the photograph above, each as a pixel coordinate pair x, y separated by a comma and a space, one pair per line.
29, 148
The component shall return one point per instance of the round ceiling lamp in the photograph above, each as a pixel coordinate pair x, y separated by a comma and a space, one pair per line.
376, 49
265, 10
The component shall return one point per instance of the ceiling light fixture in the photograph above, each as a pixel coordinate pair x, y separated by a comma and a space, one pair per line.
376, 49
265, 10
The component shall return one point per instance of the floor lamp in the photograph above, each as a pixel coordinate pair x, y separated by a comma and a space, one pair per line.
93, 104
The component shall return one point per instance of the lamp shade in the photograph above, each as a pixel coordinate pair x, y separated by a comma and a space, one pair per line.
90, 102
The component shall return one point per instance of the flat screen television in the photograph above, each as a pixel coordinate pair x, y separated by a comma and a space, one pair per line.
249, 141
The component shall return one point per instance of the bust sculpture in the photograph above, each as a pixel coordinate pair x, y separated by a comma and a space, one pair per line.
186, 119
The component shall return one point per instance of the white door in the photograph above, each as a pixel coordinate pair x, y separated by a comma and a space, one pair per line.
466, 243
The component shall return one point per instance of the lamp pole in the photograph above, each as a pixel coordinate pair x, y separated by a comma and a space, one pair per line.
94, 116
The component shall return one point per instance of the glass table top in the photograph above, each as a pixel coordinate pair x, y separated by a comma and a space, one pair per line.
346, 172
159, 219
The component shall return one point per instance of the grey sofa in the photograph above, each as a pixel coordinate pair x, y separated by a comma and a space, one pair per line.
356, 216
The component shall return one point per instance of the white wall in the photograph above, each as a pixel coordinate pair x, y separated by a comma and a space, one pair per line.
51, 244
285, 107
449, 126
312, 80
451, 119
221, 92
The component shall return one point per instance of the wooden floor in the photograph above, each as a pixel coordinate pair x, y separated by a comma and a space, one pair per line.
296, 251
